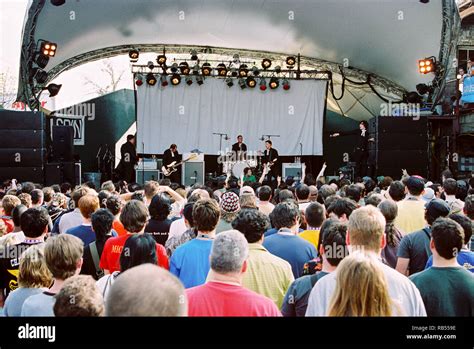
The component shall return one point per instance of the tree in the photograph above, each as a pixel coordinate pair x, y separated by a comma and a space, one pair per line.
8, 89
103, 87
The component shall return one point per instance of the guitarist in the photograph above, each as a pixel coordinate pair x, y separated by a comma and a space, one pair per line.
171, 156
269, 159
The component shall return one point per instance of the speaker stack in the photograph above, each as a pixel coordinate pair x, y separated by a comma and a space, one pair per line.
400, 143
61, 167
22, 146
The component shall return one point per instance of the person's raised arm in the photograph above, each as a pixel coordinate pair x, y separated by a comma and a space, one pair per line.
176, 197
264, 173
321, 173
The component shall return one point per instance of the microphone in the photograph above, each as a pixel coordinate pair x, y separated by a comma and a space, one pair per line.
226, 137
262, 138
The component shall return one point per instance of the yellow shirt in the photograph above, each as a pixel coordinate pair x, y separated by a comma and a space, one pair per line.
312, 236
267, 274
411, 216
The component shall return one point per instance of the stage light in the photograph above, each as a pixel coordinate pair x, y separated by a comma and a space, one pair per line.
206, 69
255, 71
133, 55
266, 63
236, 58
53, 89
427, 65
286, 85
189, 80
242, 83
233, 72
278, 69
274, 83
48, 48
175, 79
229, 82
41, 76
164, 80
194, 56
251, 82
174, 67
150, 65
199, 80
243, 71
151, 79
221, 69
58, 2
196, 69
263, 84
42, 60
290, 62
184, 67
139, 80
161, 59
412, 97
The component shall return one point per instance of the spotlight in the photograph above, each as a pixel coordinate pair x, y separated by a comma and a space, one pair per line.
286, 85
194, 56
174, 67
233, 72
221, 69
266, 63
53, 89
199, 80
236, 58
189, 80
58, 2
427, 65
206, 69
278, 69
263, 84
150, 79
150, 65
175, 79
139, 80
290, 62
161, 59
242, 83
164, 81
41, 76
196, 69
133, 55
184, 67
251, 82
243, 70
423, 89
48, 48
42, 60
255, 71
229, 82
274, 83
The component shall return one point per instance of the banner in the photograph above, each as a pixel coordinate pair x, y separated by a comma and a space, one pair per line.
76, 121
468, 90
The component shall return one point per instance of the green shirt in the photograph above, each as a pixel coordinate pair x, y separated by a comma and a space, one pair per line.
446, 291
250, 178
267, 274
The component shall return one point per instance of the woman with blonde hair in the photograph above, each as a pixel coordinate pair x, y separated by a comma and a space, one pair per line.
33, 277
361, 288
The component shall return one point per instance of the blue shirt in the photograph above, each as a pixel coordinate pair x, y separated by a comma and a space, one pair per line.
465, 259
190, 262
291, 248
85, 233
272, 231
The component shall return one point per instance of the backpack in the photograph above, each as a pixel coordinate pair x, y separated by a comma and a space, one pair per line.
96, 259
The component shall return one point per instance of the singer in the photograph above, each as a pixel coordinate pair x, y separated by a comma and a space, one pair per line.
126, 166
240, 148
269, 160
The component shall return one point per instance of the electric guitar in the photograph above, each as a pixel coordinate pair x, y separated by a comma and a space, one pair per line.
173, 167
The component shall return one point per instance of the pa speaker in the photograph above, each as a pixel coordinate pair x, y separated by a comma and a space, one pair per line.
22, 120
193, 172
22, 174
19, 157
63, 143
21, 138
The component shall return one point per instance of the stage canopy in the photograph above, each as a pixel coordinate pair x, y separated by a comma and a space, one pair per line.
382, 37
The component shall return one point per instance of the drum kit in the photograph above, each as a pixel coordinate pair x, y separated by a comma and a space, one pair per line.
237, 168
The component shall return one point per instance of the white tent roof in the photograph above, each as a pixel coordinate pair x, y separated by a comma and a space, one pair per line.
383, 37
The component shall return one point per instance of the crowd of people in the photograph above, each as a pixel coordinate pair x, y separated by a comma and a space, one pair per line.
373, 247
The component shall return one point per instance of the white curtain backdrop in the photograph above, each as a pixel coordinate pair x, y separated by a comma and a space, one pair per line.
188, 115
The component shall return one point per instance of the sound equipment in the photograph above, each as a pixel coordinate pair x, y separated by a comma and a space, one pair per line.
399, 143
63, 143
61, 172
193, 170
173, 167
22, 146
292, 170
147, 175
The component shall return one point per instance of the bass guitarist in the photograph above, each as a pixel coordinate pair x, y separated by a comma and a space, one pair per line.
270, 160
171, 157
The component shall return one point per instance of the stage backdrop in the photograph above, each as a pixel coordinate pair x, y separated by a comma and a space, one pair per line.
188, 115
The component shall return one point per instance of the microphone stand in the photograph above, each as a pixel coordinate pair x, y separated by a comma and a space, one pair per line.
97, 156
220, 143
301, 161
